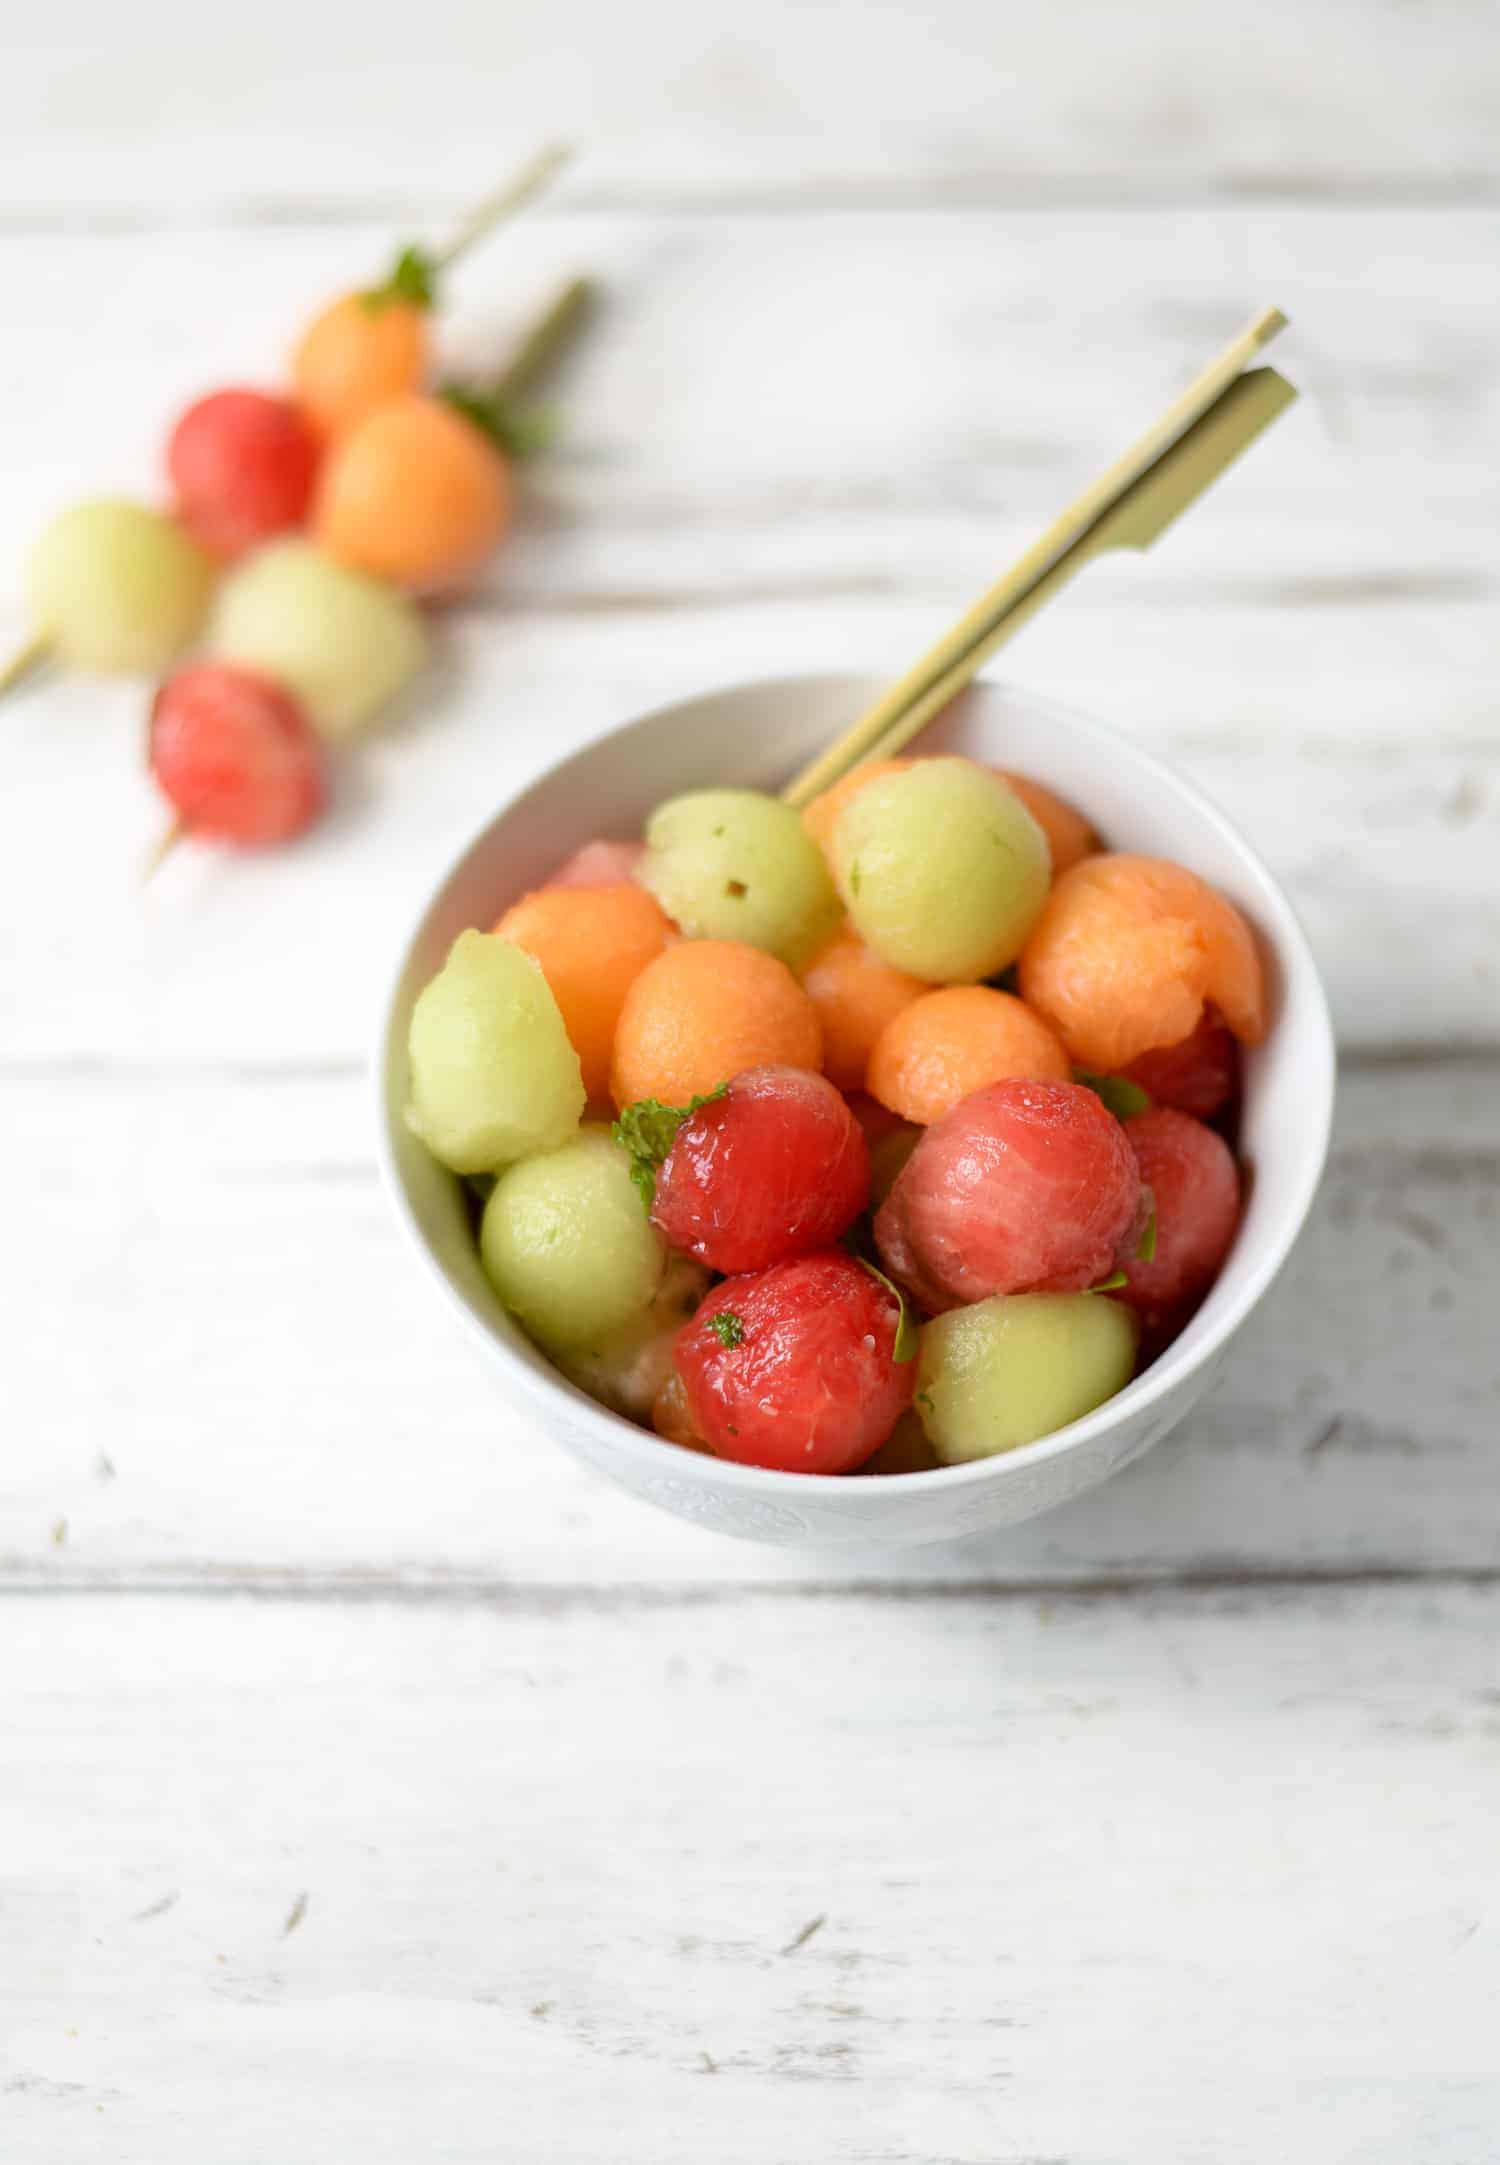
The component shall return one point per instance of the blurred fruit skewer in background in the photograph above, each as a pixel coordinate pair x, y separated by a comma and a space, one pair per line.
373, 345
120, 588
312, 637
412, 501
420, 491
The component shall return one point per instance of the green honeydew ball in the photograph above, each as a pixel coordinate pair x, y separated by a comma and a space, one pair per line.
734, 864
116, 588
568, 1247
943, 870
342, 643
493, 1075
1017, 1366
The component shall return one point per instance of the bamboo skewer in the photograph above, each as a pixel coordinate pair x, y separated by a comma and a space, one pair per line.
509, 197
1249, 406
25, 658
1166, 469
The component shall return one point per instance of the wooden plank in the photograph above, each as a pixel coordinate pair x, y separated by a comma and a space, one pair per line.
746, 390
233, 1374
954, 1882
1377, 807
1316, 647
688, 102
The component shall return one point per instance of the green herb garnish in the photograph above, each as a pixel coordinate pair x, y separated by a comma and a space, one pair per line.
1118, 1093
905, 1348
1146, 1251
1110, 1284
647, 1131
413, 278
728, 1328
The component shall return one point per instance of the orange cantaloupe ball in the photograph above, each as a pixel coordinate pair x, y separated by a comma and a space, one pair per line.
415, 493
821, 814
592, 943
951, 1043
856, 995
1126, 952
355, 355
705, 1010
1069, 835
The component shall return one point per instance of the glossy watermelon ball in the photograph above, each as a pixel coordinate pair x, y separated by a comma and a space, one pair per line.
235, 756
242, 466
1025, 1187
776, 1167
794, 1368
1198, 1075
1195, 1187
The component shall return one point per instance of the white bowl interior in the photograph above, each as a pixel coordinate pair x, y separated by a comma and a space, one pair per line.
757, 734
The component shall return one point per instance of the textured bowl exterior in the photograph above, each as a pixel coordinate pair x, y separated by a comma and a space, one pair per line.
757, 734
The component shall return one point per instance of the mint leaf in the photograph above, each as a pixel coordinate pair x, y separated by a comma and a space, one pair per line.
905, 1348
1110, 1284
647, 1130
1146, 1252
413, 279
728, 1328
1118, 1093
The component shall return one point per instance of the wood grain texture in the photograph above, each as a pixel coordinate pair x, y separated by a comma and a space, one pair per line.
273, 1396
766, 470
692, 99
373, 1783
1207, 1878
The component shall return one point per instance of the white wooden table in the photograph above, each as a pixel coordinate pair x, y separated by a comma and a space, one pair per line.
374, 1786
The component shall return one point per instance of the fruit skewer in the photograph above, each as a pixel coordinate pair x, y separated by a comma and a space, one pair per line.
121, 588
311, 636
420, 491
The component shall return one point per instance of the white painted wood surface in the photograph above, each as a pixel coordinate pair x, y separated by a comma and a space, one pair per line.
306, 1416
1161, 1830
1094, 1877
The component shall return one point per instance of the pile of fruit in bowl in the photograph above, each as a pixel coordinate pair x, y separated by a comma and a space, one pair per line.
879, 1137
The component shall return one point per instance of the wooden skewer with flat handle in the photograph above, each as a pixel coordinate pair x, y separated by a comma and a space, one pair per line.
1169, 467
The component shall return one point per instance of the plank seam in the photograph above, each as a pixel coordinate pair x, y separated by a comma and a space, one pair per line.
548, 1598
938, 193
1398, 1056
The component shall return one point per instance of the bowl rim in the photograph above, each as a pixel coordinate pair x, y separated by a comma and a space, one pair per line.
1279, 923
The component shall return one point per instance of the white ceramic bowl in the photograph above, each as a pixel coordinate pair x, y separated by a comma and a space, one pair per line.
758, 734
